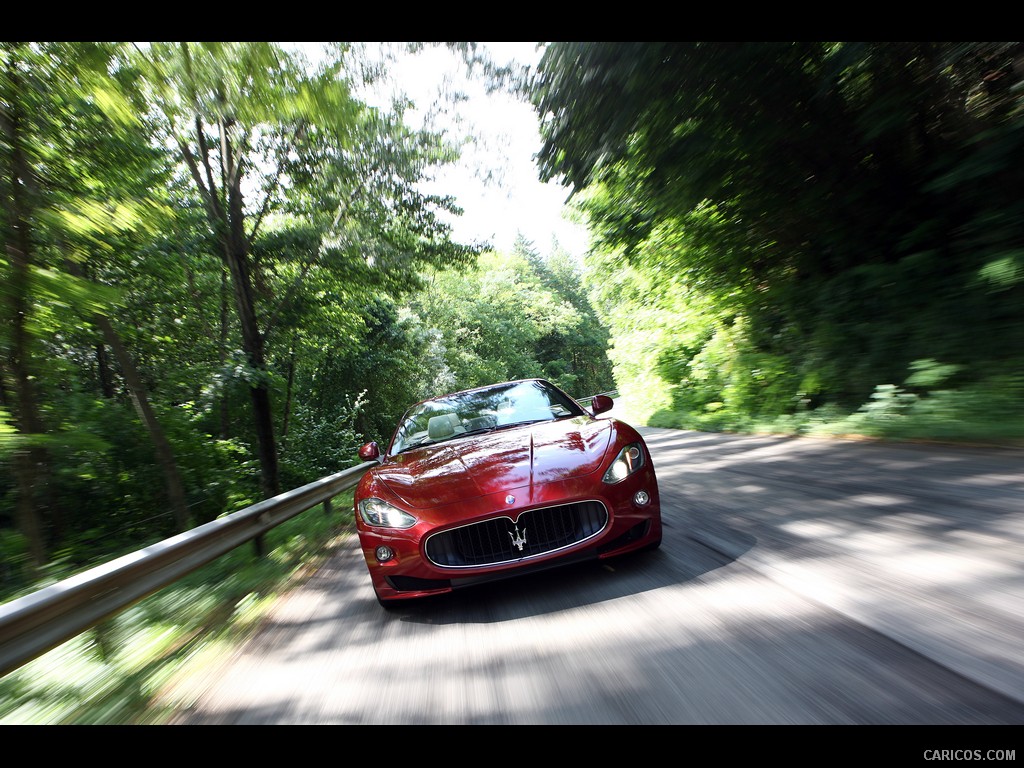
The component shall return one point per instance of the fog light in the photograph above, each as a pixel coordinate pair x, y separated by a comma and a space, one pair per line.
384, 553
640, 498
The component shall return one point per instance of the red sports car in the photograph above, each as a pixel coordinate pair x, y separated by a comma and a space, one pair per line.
499, 481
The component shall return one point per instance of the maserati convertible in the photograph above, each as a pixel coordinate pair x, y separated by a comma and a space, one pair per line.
500, 481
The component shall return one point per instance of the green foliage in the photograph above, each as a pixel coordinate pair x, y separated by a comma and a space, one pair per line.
990, 411
118, 673
510, 316
336, 228
320, 445
813, 217
8, 434
14, 559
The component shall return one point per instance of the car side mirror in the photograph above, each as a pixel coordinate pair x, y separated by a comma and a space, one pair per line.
369, 452
600, 404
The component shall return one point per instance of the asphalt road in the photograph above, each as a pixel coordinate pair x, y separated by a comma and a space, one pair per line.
800, 581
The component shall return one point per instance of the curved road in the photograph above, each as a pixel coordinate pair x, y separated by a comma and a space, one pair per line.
800, 581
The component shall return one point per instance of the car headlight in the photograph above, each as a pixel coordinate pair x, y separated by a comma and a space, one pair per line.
629, 460
380, 513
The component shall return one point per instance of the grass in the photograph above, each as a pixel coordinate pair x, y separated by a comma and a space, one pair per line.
971, 417
117, 673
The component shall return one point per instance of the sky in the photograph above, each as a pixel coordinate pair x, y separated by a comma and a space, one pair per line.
496, 182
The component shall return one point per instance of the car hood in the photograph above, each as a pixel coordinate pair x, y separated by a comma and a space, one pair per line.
505, 460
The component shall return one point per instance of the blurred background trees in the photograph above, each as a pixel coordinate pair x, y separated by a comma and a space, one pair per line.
799, 228
220, 277
221, 274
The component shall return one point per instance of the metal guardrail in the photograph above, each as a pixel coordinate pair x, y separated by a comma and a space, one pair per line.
36, 623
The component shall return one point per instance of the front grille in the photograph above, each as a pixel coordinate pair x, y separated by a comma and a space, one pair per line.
497, 540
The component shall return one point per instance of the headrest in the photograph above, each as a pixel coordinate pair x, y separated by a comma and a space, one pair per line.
440, 426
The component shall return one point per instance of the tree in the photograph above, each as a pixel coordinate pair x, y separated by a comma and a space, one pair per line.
31, 461
576, 355
68, 116
236, 111
826, 198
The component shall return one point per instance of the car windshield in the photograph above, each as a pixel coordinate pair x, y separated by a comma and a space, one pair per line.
481, 410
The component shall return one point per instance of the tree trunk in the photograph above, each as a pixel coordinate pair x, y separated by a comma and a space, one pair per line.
228, 225
164, 454
288, 393
31, 460
236, 253
225, 425
103, 372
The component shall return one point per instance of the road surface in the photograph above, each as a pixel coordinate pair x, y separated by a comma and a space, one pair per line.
800, 581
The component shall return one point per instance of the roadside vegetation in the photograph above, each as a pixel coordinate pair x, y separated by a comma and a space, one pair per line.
986, 414
141, 666
804, 237
220, 276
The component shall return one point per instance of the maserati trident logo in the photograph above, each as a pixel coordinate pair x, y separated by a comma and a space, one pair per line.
519, 539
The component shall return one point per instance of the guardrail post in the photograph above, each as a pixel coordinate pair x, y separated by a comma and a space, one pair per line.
327, 507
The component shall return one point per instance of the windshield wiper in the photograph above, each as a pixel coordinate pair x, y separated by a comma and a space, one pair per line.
418, 444
523, 423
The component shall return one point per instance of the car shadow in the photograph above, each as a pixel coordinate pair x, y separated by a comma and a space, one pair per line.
684, 556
